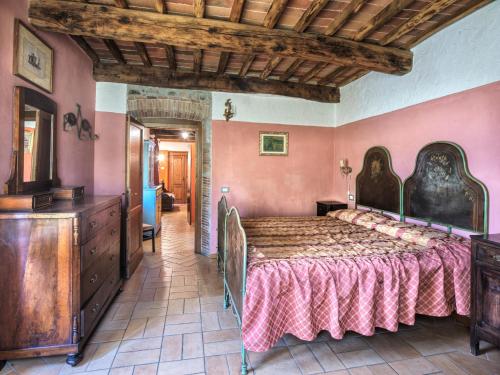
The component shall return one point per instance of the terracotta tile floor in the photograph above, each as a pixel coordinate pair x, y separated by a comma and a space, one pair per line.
169, 320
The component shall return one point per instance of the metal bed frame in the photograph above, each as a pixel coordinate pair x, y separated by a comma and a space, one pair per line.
233, 242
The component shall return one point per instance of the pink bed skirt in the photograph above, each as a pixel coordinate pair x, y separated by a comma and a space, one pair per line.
303, 297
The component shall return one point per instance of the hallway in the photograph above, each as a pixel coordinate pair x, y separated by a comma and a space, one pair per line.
169, 321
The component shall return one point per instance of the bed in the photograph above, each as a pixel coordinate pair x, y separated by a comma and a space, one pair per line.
357, 270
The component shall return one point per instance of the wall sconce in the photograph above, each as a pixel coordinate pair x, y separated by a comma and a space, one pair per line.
229, 111
344, 167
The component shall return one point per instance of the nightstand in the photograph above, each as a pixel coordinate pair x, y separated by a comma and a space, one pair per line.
485, 298
323, 207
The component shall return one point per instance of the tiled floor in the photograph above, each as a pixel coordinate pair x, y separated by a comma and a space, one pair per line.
169, 320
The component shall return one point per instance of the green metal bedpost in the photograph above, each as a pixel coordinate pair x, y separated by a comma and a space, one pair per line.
243, 293
226, 291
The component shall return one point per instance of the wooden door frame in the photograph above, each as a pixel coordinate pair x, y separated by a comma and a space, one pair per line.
197, 127
170, 172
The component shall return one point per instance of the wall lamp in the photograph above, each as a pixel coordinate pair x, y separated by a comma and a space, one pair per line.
344, 167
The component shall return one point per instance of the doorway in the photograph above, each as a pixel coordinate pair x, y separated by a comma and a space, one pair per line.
179, 167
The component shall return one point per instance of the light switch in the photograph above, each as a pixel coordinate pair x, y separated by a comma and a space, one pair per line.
351, 197
224, 189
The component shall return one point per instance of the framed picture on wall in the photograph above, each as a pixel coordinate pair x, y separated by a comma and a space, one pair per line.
33, 58
273, 144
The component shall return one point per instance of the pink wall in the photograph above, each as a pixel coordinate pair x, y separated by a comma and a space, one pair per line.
270, 185
73, 83
109, 166
470, 119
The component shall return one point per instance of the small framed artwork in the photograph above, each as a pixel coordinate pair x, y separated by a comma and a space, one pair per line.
273, 144
33, 58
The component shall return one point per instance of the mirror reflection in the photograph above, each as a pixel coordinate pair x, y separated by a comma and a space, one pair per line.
38, 138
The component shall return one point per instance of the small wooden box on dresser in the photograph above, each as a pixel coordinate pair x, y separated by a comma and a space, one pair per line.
323, 207
485, 309
59, 272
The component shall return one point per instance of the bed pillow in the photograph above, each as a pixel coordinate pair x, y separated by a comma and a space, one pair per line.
367, 219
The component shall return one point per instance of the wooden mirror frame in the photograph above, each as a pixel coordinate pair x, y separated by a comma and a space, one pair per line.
16, 184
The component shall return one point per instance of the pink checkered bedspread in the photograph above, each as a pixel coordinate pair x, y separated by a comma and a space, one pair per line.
350, 271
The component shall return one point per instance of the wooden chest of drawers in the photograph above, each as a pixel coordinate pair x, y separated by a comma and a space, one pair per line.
485, 308
60, 270
323, 207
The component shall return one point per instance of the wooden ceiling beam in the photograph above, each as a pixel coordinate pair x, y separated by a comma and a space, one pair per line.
274, 13
199, 33
471, 8
161, 6
313, 72
309, 15
347, 12
332, 76
162, 77
199, 8
382, 18
234, 16
115, 51
170, 55
246, 65
197, 57
425, 14
80, 40
273, 63
121, 3
143, 53
291, 70
355, 74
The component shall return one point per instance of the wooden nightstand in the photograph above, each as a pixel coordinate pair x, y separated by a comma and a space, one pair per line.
323, 207
485, 298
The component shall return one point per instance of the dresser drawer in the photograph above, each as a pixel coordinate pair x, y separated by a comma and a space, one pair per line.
93, 249
488, 254
93, 278
91, 312
93, 223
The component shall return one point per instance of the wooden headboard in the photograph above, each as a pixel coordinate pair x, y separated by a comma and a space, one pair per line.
441, 189
377, 186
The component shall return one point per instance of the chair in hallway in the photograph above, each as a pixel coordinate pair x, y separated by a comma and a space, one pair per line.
147, 228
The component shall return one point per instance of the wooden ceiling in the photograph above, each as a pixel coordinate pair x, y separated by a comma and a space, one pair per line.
300, 48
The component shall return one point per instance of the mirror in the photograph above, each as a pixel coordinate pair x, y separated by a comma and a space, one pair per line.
38, 129
33, 167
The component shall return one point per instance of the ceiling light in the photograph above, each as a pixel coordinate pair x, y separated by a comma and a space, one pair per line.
185, 135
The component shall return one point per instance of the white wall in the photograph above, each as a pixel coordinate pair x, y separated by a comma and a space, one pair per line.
111, 97
175, 146
274, 109
460, 57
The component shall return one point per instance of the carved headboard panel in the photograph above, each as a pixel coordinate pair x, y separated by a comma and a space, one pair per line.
377, 186
442, 190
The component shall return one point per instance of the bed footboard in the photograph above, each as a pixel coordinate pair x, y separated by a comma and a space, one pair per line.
222, 211
235, 270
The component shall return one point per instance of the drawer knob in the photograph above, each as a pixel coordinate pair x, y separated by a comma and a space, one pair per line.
94, 279
93, 250
93, 224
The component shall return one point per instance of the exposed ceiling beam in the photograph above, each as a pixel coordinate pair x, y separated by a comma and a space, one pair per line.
390, 10
170, 54
291, 70
140, 26
115, 51
199, 8
161, 6
143, 53
273, 63
80, 40
471, 8
352, 76
274, 13
425, 14
347, 12
162, 77
332, 76
197, 56
309, 15
234, 16
246, 65
313, 72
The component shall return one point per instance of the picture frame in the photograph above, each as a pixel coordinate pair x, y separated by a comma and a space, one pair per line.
33, 58
273, 143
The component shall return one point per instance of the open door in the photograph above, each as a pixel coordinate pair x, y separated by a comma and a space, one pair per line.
135, 139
